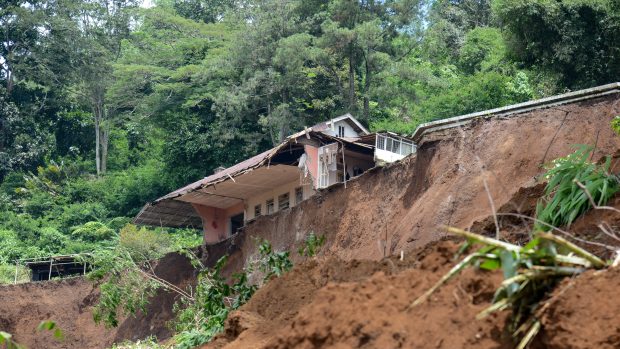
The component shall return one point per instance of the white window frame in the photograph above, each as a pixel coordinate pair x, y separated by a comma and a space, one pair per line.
282, 199
299, 195
394, 144
270, 203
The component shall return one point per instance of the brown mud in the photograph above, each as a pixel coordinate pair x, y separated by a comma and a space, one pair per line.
357, 294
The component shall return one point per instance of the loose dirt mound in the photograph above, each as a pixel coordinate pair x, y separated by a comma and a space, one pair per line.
585, 313
70, 303
67, 302
333, 303
361, 304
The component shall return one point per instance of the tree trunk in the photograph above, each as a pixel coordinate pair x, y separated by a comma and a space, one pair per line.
352, 104
105, 137
97, 119
101, 134
367, 87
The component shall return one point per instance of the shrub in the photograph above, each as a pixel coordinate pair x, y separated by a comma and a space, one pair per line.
311, 245
564, 200
273, 263
126, 289
143, 243
51, 241
93, 232
69, 216
201, 318
7, 274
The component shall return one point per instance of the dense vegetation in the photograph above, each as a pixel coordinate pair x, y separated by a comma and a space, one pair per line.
105, 105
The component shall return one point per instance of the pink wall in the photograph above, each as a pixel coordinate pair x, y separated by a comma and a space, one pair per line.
214, 223
233, 210
313, 163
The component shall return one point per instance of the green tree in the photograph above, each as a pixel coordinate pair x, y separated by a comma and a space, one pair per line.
577, 40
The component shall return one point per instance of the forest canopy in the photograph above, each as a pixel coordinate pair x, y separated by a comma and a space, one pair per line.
107, 104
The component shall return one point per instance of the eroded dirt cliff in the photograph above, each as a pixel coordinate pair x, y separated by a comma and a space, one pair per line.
352, 297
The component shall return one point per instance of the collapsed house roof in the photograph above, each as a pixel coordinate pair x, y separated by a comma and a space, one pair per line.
225, 188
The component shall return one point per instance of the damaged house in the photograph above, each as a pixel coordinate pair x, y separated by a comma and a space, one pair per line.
315, 158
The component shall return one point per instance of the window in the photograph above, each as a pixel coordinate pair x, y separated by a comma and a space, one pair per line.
396, 147
236, 223
299, 195
380, 142
258, 210
270, 207
407, 148
340, 131
283, 201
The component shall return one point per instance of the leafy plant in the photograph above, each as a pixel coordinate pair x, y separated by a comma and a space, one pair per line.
530, 272
7, 342
202, 317
13, 274
49, 325
6, 339
564, 199
127, 286
615, 124
273, 263
311, 245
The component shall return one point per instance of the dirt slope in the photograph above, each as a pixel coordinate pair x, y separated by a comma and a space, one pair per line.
364, 304
387, 210
333, 303
70, 303
67, 302
399, 207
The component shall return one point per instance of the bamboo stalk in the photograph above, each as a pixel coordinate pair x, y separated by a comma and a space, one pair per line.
482, 239
533, 331
596, 262
573, 260
497, 306
455, 270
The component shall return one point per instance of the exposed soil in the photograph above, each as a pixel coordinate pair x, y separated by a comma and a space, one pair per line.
67, 302
400, 207
70, 302
333, 303
357, 294
585, 313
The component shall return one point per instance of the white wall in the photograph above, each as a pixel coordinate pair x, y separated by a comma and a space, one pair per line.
274, 193
348, 130
387, 156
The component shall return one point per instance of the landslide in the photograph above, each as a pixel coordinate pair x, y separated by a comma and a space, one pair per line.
328, 302
332, 303
400, 207
342, 301
67, 302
